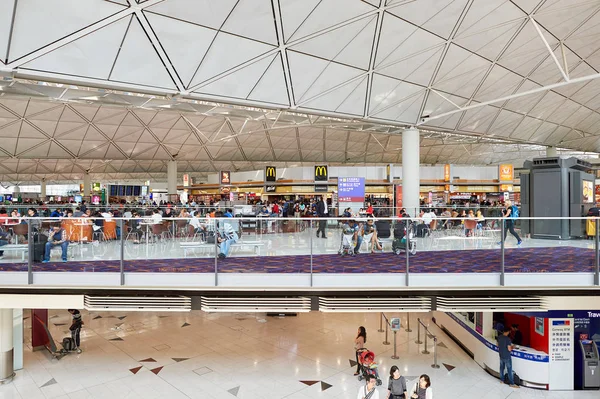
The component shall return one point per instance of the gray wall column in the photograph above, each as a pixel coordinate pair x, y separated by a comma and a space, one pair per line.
410, 171
6, 346
172, 177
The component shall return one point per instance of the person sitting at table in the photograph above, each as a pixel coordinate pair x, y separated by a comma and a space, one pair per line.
134, 225
156, 216
3, 216
57, 237
370, 233
226, 235
199, 228
69, 213
56, 213
15, 215
78, 212
480, 220
470, 217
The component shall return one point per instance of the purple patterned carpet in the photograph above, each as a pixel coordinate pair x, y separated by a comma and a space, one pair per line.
518, 260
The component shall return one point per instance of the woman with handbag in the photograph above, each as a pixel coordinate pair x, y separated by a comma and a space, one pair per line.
359, 343
422, 388
396, 384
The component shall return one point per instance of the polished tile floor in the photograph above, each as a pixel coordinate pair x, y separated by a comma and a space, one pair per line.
276, 244
201, 355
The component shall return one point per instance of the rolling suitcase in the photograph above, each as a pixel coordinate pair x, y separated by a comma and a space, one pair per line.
38, 251
69, 344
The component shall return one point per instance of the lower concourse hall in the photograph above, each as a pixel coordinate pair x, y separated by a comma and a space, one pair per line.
225, 355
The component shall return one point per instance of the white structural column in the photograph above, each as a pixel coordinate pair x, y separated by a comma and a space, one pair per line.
410, 170
551, 152
6, 346
16, 191
43, 189
172, 177
86, 185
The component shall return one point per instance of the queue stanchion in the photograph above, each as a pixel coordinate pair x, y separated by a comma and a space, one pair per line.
408, 322
425, 351
418, 341
435, 364
386, 342
395, 326
395, 355
380, 322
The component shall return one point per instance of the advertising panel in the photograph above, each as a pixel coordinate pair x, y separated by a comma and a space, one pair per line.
447, 172
270, 174
505, 172
186, 180
588, 192
351, 189
395, 323
561, 345
225, 177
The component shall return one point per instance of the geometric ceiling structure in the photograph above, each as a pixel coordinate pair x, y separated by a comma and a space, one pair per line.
515, 73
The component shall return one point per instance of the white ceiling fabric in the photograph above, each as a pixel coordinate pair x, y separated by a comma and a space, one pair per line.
384, 62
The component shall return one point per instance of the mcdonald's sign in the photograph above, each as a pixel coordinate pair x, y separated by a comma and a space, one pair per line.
321, 173
270, 173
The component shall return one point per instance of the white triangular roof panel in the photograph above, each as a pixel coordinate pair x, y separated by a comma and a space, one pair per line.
138, 61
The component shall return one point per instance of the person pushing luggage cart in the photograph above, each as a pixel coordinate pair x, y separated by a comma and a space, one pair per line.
75, 328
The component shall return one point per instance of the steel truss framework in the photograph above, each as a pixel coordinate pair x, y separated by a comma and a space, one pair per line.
488, 81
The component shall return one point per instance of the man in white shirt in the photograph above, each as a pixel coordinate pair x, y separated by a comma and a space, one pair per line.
368, 391
156, 217
428, 217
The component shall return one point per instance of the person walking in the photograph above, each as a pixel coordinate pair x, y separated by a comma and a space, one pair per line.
321, 209
368, 390
505, 346
359, 343
75, 328
422, 388
509, 214
396, 384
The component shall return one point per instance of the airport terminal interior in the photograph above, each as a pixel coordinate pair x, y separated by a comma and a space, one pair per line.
299, 199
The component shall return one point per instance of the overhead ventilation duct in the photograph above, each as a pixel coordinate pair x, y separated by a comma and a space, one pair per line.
396, 304
255, 304
138, 303
490, 304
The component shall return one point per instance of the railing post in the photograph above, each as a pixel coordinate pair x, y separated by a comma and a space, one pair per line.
311, 253
216, 253
408, 322
435, 364
597, 257
406, 236
380, 322
425, 351
502, 229
395, 355
418, 341
30, 251
386, 342
122, 263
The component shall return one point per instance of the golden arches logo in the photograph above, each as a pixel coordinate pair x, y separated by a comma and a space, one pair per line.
270, 171
321, 171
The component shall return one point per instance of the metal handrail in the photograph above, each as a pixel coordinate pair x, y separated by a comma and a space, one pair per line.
435, 364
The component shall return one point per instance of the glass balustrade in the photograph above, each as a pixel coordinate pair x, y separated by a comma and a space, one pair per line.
269, 251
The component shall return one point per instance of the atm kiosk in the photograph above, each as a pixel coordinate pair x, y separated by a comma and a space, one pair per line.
590, 364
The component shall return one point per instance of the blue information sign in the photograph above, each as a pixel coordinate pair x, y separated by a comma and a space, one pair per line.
351, 189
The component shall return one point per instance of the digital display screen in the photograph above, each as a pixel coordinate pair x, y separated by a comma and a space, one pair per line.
113, 190
121, 191
129, 190
136, 191
588, 192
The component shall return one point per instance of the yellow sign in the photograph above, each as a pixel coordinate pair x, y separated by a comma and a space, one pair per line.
506, 187
270, 173
321, 173
447, 172
505, 172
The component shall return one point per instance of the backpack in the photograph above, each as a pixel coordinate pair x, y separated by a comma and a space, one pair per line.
514, 212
